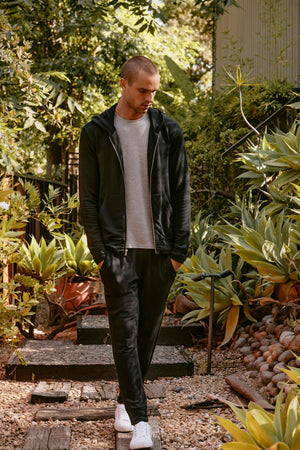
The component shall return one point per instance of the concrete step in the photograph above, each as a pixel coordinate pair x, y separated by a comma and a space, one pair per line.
64, 360
94, 330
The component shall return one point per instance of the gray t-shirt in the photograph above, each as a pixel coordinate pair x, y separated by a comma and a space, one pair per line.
133, 135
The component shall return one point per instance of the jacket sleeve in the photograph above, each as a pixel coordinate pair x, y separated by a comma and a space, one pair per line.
180, 195
89, 183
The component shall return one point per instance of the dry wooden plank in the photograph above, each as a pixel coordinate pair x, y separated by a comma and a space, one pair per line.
59, 438
50, 392
248, 392
84, 413
88, 391
154, 390
108, 391
37, 439
123, 439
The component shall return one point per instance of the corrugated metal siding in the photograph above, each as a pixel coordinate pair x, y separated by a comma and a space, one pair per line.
264, 37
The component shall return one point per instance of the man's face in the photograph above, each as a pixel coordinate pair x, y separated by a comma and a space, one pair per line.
138, 95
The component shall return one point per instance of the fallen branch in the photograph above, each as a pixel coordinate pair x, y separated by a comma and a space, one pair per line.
248, 392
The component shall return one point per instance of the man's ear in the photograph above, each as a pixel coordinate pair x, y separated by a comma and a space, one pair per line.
123, 83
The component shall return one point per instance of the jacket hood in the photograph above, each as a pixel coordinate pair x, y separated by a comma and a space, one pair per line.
106, 119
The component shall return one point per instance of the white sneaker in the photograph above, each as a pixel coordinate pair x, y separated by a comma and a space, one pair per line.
142, 436
122, 420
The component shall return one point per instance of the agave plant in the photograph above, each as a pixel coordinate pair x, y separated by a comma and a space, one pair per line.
231, 293
78, 258
41, 261
264, 430
278, 162
271, 245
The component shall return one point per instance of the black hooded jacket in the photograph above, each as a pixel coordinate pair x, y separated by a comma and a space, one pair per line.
102, 186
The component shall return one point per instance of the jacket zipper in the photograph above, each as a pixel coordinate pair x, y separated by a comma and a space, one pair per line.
150, 188
122, 170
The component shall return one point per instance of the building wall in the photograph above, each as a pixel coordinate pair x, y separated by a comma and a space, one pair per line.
263, 36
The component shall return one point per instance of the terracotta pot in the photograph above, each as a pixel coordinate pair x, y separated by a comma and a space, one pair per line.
73, 293
286, 292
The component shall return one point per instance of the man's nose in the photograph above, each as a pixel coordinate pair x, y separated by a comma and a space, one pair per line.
150, 96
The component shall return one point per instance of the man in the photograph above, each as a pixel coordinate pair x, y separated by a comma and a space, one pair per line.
135, 204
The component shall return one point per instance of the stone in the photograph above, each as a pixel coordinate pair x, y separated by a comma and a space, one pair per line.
297, 330
264, 341
251, 340
278, 330
260, 335
252, 373
297, 362
264, 348
257, 353
255, 345
266, 376
251, 365
294, 345
273, 391
267, 319
245, 350
270, 328
240, 342
264, 367
276, 347
292, 363
255, 327
249, 358
286, 356
266, 354
279, 377
277, 368
260, 360
286, 338
245, 335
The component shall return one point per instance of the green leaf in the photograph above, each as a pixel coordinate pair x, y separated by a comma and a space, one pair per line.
40, 126
236, 433
231, 323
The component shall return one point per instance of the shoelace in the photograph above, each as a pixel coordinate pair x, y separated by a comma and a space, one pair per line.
141, 430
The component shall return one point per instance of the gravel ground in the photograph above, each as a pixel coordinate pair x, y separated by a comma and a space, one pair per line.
180, 428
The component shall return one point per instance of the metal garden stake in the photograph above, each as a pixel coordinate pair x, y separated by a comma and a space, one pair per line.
213, 276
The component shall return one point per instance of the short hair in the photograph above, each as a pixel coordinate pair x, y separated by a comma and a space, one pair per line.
136, 63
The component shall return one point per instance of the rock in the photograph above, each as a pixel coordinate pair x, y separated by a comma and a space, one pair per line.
264, 367
286, 338
273, 391
270, 329
292, 363
297, 362
294, 345
297, 330
276, 347
240, 342
267, 319
257, 353
267, 376
260, 360
184, 305
278, 329
255, 327
266, 354
252, 373
277, 368
251, 340
264, 348
260, 335
255, 346
245, 351
249, 358
265, 341
286, 356
279, 377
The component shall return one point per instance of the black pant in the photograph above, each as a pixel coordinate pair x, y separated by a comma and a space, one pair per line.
136, 288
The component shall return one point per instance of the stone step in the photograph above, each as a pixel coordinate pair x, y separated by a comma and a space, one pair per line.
64, 360
94, 330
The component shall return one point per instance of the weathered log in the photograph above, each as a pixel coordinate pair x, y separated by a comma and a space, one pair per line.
248, 392
43, 438
51, 392
83, 414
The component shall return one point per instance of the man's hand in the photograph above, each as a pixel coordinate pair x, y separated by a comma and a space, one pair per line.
175, 264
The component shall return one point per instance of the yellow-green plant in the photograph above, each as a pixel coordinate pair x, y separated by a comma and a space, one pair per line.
41, 261
78, 258
265, 430
231, 294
